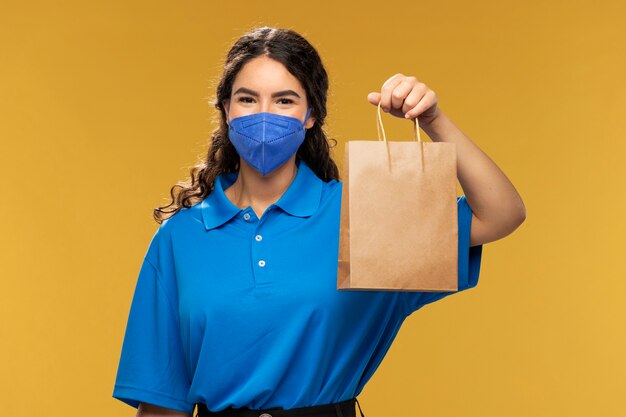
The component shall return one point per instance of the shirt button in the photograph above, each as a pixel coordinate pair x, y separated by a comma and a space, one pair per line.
258, 238
246, 216
261, 263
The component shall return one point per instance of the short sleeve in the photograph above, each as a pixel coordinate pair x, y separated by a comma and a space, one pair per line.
152, 367
469, 262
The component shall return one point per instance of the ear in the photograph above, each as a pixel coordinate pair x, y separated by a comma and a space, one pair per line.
225, 106
309, 123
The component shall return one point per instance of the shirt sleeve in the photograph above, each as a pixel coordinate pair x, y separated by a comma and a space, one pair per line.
469, 263
152, 367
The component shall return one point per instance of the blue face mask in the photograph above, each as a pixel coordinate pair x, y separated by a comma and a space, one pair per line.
266, 140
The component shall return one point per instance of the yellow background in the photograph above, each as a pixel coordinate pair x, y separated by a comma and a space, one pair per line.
103, 107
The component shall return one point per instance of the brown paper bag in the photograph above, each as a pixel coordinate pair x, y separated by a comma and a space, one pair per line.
399, 224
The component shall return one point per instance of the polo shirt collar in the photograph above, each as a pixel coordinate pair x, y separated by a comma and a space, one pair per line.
303, 195
216, 208
301, 199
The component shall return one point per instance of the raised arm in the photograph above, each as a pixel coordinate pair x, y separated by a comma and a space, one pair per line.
497, 207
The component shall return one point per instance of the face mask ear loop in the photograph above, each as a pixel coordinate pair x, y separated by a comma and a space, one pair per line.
307, 116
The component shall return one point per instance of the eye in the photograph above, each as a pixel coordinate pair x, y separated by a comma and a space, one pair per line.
244, 99
285, 101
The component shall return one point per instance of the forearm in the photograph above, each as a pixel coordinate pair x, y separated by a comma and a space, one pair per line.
488, 191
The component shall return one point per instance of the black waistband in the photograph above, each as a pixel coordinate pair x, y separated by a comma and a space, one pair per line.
341, 409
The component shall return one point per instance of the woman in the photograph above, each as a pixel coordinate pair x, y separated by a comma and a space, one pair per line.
236, 306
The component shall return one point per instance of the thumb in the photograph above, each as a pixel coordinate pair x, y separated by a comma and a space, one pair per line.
373, 98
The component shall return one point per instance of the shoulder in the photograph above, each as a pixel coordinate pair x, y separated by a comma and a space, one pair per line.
178, 221
331, 192
183, 219
331, 187
182, 223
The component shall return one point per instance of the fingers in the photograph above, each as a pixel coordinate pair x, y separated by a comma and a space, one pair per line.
403, 96
427, 100
373, 98
414, 97
401, 91
387, 89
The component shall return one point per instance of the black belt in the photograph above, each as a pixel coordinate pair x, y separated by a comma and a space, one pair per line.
341, 409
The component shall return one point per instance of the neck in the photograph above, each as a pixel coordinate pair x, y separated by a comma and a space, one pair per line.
252, 189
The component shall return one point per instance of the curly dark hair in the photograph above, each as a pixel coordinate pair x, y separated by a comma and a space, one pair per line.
302, 60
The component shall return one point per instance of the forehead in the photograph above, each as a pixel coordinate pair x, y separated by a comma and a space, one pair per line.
265, 74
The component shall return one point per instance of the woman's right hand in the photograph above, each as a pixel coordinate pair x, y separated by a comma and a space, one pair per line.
151, 410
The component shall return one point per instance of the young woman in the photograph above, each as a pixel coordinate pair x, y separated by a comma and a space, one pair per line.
236, 309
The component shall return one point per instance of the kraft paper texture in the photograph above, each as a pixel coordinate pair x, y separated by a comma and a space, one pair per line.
399, 223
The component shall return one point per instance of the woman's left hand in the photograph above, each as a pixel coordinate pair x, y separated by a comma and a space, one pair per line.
497, 208
406, 97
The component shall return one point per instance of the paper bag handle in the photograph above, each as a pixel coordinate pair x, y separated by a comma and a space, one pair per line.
379, 126
416, 135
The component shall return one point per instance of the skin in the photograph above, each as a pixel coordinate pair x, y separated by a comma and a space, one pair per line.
497, 207
265, 76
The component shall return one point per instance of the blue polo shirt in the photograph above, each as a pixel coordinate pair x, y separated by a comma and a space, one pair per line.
233, 310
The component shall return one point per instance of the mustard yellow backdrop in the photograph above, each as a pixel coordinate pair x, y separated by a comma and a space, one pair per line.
103, 107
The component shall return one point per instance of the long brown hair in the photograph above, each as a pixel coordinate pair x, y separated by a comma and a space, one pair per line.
302, 60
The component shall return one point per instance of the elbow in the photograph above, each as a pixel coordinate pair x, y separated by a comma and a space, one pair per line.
516, 221
496, 227
521, 216
516, 213
511, 222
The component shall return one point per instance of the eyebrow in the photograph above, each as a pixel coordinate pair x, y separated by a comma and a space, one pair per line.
244, 90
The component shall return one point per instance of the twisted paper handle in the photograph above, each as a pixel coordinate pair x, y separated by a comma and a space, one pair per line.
416, 135
379, 126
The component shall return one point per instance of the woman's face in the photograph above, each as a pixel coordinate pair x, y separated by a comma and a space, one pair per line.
265, 85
